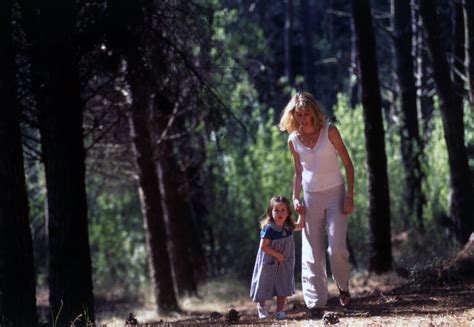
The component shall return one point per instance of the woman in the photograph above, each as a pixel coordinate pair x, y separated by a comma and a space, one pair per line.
315, 144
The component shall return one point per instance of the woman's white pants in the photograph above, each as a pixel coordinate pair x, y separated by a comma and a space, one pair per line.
324, 212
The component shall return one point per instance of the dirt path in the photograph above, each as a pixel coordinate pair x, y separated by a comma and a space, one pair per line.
443, 306
377, 301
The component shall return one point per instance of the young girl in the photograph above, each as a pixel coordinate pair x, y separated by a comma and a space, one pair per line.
273, 273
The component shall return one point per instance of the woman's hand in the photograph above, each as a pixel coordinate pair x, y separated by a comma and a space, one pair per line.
297, 205
348, 205
300, 209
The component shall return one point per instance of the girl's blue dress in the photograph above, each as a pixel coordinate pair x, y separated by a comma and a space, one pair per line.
271, 278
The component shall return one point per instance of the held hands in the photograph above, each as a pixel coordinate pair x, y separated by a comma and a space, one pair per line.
348, 204
297, 205
300, 209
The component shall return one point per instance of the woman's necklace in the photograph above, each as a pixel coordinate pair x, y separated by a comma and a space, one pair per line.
309, 139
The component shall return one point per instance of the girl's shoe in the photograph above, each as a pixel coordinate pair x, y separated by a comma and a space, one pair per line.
262, 313
280, 315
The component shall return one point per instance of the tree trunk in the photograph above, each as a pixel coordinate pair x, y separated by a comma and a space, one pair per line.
174, 207
380, 252
155, 227
354, 87
174, 201
453, 124
411, 145
458, 70
424, 102
60, 122
469, 46
289, 42
17, 274
308, 58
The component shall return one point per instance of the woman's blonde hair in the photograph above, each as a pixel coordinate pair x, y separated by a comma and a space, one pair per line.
298, 101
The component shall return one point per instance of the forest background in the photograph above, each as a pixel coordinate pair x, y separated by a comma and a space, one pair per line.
139, 141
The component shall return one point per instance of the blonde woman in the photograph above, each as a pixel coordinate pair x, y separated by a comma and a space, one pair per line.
314, 145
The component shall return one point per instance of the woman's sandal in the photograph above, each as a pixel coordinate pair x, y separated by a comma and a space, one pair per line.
344, 297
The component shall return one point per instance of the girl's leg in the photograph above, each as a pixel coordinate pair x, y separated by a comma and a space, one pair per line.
313, 271
261, 311
280, 303
280, 314
337, 233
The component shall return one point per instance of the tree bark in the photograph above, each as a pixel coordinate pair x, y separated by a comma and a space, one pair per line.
288, 34
453, 125
155, 226
174, 207
469, 47
380, 252
173, 201
60, 122
308, 58
354, 88
17, 273
458, 69
411, 145
424, 102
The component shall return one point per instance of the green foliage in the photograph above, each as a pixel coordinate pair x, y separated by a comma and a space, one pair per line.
116, 236
252, 174
246, 165
436, 185
36, 190
350, 123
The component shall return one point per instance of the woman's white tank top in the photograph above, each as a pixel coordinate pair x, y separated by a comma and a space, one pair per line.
320, 166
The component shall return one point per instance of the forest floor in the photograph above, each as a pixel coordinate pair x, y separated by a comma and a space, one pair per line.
378, 300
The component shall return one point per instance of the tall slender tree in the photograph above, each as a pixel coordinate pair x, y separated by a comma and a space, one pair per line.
174, 207
468, 12
453, 124
155, 227
128, 26
411, 145
458, 68
17, 274
288, 41
424, 102
380, 252
308, 57
51, 29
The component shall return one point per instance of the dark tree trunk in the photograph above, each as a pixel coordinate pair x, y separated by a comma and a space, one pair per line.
288, 33
155, 227
469, 46
308, 58
411, 145
60, 122
424, 100
354, 88
17, 274
452, 117
458, 68
174, 203
380, 252
174, 206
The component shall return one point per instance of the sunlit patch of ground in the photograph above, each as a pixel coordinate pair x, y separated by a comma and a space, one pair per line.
376, 302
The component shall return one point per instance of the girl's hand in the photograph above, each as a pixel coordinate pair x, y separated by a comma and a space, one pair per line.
279, 257
297, 205
300, 210
348, 205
